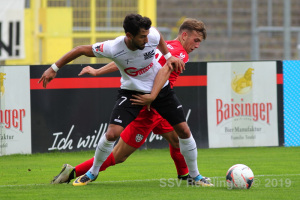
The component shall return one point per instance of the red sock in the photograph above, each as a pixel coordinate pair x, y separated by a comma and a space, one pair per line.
85, 166
110, 161
179, 161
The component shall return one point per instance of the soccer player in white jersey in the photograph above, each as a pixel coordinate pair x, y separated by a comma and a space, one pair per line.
191, 33
133, 55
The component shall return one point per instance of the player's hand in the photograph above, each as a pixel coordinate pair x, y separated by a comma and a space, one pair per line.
175, 64
88, 70
47, 76
142, 100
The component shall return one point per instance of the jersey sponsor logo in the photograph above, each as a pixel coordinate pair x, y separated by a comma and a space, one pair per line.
181, 56
99, 47
170, 46
149, 54
132, 71
139, 137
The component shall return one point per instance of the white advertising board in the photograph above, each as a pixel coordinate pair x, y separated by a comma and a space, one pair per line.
15, 114
242, 104
12, 29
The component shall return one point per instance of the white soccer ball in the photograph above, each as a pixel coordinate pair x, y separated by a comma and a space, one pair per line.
239, 176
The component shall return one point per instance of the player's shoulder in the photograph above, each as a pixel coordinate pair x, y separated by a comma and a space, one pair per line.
153, 31
177, 50
117, 42
174, 44
115, 45
154, 36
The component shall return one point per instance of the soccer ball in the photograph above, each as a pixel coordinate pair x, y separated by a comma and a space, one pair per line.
239, 176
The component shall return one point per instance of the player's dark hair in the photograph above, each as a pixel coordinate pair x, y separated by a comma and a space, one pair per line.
134, 22
193, 25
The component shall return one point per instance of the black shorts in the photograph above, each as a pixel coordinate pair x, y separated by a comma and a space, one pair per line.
124, 112
166, 104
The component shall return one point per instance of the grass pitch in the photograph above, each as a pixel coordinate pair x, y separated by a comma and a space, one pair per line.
151, 174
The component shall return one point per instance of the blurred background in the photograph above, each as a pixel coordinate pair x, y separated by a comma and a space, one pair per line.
237, 29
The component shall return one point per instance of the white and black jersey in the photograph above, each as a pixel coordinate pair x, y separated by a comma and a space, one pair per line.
136, 67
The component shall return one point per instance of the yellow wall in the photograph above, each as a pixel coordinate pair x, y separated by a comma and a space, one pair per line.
56, 39
148, 8
49, 30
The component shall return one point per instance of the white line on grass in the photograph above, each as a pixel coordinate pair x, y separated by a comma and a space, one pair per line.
145, 180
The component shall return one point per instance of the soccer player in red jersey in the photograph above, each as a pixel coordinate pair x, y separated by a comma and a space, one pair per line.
191, 33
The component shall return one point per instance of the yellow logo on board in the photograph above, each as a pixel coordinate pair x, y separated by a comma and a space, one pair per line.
242, 83
2, 89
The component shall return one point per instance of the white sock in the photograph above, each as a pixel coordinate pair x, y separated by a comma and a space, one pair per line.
103, 149
188, 149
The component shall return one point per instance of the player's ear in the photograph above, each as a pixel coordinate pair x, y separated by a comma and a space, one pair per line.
129, 35
184, 35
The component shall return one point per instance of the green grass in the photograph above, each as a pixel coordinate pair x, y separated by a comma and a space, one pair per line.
150, 174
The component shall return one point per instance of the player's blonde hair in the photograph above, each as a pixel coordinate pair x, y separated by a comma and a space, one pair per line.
191, 24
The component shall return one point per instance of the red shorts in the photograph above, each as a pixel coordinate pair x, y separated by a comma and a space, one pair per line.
138, 130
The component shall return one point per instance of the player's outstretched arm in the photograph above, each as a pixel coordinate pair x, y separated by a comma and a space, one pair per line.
106, 69
50, 73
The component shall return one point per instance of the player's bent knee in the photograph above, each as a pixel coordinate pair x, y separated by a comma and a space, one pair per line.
112, 136
182, 130
113, 132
